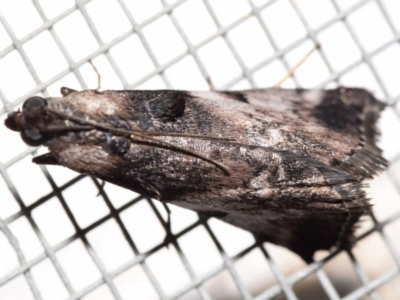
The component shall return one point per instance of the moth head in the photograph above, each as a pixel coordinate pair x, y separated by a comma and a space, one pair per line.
41, 120
28, 121
75, 120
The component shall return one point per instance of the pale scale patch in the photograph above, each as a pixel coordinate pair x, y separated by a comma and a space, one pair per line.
99, 104
314, 96
215, 96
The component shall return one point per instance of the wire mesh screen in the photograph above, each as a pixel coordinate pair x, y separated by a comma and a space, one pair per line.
63, 236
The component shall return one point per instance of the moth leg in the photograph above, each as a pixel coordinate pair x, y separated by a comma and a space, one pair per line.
296, 66
101, 188
97, 73
169, 236
210, 83
46, 159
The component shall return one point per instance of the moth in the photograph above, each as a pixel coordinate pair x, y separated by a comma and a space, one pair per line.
287, 165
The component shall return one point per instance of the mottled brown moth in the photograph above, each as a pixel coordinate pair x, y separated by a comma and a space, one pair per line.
286, 165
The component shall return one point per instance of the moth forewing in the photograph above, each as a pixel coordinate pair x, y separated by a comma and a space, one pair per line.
287, 165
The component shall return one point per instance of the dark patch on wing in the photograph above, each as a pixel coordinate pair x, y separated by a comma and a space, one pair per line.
345, 109
168, 105
353, 113
317, 232
239, 96
151, 94
144, 107
339, 112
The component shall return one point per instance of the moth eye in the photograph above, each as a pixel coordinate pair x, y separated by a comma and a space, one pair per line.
33, 137
34, 102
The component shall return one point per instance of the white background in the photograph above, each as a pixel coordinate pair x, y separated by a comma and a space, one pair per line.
49, 69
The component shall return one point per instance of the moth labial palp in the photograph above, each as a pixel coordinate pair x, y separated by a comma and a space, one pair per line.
286, 165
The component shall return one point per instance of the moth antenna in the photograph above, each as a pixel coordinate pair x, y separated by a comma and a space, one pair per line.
185, 135
145, 138
129, 132
169, 146
97, 73
169, 236
91, 123
59, 128
210, 83
296, 66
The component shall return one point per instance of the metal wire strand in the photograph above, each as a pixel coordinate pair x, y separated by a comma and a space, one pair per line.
285, 283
